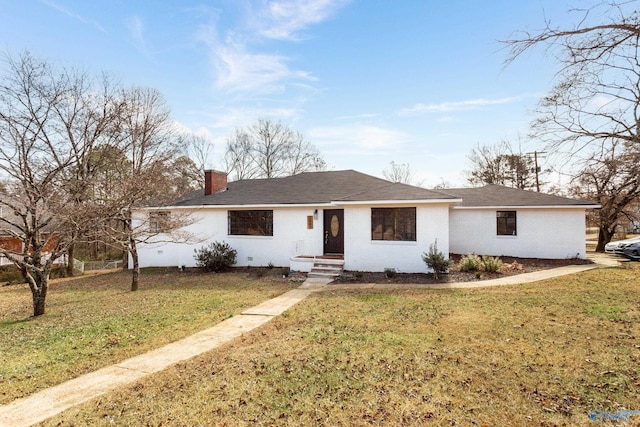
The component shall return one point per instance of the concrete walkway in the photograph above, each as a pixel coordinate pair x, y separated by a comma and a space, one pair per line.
47, 403
600, 261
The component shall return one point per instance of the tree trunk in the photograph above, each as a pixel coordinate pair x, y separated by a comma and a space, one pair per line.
135, 271
39, 303
70, 254
604, 237
39, 287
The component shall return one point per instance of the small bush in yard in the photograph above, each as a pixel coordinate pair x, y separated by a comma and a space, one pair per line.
436, 260
492, 264
217, 257
470, 262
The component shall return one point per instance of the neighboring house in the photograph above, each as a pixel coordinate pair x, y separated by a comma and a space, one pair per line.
372, 223
9, 243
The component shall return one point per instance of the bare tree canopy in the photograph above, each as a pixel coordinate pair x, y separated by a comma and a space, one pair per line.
597, 93
51, 121
498, 164
602, 30
198, 148
76, 155
399, 172
268, 149
612, 180
152, 172
592, 113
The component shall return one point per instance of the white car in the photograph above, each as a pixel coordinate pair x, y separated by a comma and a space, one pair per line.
619, 245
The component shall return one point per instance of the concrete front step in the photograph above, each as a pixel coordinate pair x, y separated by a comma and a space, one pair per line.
317, 274
327, 267
329, 261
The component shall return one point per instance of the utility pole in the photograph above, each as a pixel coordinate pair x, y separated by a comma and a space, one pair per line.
537, 168
535, 157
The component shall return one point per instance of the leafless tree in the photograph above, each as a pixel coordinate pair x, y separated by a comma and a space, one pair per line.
89, 118
197, 148
612, 180
442, 185
155, 179
268, 149
238, 157
399, 172
593, 110
50, 122
498, 164
147, 177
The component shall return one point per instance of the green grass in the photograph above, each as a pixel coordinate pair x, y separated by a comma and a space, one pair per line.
533, 354
611, 312
96, 321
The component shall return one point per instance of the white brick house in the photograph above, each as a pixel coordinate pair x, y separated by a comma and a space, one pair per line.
370, 223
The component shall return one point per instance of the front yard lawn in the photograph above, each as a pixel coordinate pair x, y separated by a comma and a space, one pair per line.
96, 321
540, 354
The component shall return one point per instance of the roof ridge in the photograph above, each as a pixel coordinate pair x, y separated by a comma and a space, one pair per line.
366, 190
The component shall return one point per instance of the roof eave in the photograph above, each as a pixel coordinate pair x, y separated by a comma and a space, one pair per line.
530, 207
305, 205
252, 206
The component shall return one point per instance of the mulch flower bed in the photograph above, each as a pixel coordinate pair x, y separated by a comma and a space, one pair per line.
511, 266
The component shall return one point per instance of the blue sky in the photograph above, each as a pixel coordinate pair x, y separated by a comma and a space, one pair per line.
367, 82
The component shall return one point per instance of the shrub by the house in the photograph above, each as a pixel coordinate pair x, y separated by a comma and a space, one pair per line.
436, 260
470, 262
491, 264
217, 257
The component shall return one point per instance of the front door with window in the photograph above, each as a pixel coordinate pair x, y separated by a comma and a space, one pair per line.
333, 231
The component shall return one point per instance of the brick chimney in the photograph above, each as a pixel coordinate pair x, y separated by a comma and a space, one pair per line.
214, 182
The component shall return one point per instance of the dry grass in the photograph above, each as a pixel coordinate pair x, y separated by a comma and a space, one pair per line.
96, 321
541, 354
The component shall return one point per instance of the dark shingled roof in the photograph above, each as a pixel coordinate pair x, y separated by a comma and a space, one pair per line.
498, 195
311, 188
353, 186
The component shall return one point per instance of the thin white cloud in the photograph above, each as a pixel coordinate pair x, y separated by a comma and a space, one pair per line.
469, 104
359, 116
241, 71
284, 19
607, 104
226, 122
70, 13
239, 65
136, 32
200, 131
367, 137
445, 119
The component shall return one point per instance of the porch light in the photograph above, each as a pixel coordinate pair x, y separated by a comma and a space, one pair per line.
315, 214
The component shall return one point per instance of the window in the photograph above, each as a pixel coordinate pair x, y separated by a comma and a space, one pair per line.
251, 223
506, 221
158, 221
393, 224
